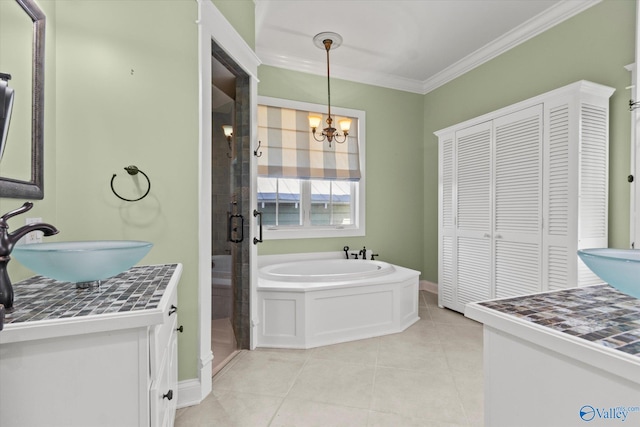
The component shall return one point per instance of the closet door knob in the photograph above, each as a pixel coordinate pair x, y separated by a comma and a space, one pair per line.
180, 329
169, 395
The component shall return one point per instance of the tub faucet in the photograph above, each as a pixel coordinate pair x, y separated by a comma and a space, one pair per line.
346, 252
363, 252
8, 241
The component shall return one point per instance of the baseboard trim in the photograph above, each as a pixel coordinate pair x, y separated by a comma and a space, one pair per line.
425, 285
189, 393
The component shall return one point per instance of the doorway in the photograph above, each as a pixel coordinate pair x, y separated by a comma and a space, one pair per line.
230, 207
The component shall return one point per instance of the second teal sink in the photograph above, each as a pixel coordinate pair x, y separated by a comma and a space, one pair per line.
618, 267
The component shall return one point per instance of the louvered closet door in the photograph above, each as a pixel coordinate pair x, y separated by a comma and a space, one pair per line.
518, 202
594, 184
560, 186
473, 208
446, 223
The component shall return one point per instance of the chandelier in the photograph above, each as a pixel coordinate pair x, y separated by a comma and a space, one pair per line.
328, 41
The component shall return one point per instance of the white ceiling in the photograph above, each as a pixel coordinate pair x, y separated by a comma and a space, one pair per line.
410, 45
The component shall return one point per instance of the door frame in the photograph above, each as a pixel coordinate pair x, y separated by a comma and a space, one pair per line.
634, 214
213, 26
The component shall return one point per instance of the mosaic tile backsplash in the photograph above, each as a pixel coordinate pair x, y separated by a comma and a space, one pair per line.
40, 298
599, 314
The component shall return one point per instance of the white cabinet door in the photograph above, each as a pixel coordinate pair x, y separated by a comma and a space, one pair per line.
560, 182
575, 188
473, 208
593, 183
518, 202
446, 222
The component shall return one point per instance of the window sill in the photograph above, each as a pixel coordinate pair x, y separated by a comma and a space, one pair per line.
311, 233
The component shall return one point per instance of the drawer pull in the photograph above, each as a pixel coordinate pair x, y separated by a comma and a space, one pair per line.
173, 309
169, 395
180, 329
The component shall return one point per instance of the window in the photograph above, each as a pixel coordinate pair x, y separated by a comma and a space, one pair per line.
306, 202
306, 188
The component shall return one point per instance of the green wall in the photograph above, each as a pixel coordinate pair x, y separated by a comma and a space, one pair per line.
594, 45
127, 94
122, 89
241, 15
394, 141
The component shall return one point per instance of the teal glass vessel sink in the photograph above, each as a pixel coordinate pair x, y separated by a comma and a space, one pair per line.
83, 261
618, 267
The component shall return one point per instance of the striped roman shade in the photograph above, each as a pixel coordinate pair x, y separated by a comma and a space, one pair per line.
290, 151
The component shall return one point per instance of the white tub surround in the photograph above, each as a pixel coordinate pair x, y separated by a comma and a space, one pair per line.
562, 358
94, 357
310, 300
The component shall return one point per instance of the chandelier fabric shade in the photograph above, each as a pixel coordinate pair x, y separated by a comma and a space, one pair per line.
290, 150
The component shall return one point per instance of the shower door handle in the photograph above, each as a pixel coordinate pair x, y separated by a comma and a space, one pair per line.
231, 229
255, 214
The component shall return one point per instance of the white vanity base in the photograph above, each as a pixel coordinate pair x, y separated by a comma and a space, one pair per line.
530, 385
538, 376
49, 380
105, 370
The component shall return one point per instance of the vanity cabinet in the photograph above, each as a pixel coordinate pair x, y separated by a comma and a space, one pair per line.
545, 370
163, 359
522, 189
114, 368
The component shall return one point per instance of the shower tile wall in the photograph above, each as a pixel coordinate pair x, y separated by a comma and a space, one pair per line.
243, 192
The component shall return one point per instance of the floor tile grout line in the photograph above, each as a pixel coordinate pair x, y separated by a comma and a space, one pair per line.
286, 395
375, 373
449, 366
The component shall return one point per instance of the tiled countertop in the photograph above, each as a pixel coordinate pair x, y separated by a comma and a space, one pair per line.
594, 325
44, 308
39, 298
599, 314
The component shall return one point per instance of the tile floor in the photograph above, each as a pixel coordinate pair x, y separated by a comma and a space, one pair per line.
428, 375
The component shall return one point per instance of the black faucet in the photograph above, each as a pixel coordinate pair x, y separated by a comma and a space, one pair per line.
346, 252
8, 241
363, 252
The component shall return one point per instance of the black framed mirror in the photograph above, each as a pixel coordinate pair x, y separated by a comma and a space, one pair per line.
13, 184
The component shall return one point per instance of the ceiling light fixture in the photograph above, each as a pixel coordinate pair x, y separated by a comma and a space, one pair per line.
328, 41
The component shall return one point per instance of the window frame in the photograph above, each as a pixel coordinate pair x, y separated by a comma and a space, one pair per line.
305, 232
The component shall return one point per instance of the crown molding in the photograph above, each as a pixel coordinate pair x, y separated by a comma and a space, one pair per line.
556, 14
341, 72
533, 27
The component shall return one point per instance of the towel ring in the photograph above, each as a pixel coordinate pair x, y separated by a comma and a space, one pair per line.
132, 170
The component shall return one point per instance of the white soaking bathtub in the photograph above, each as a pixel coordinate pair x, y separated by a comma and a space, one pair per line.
307, 303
